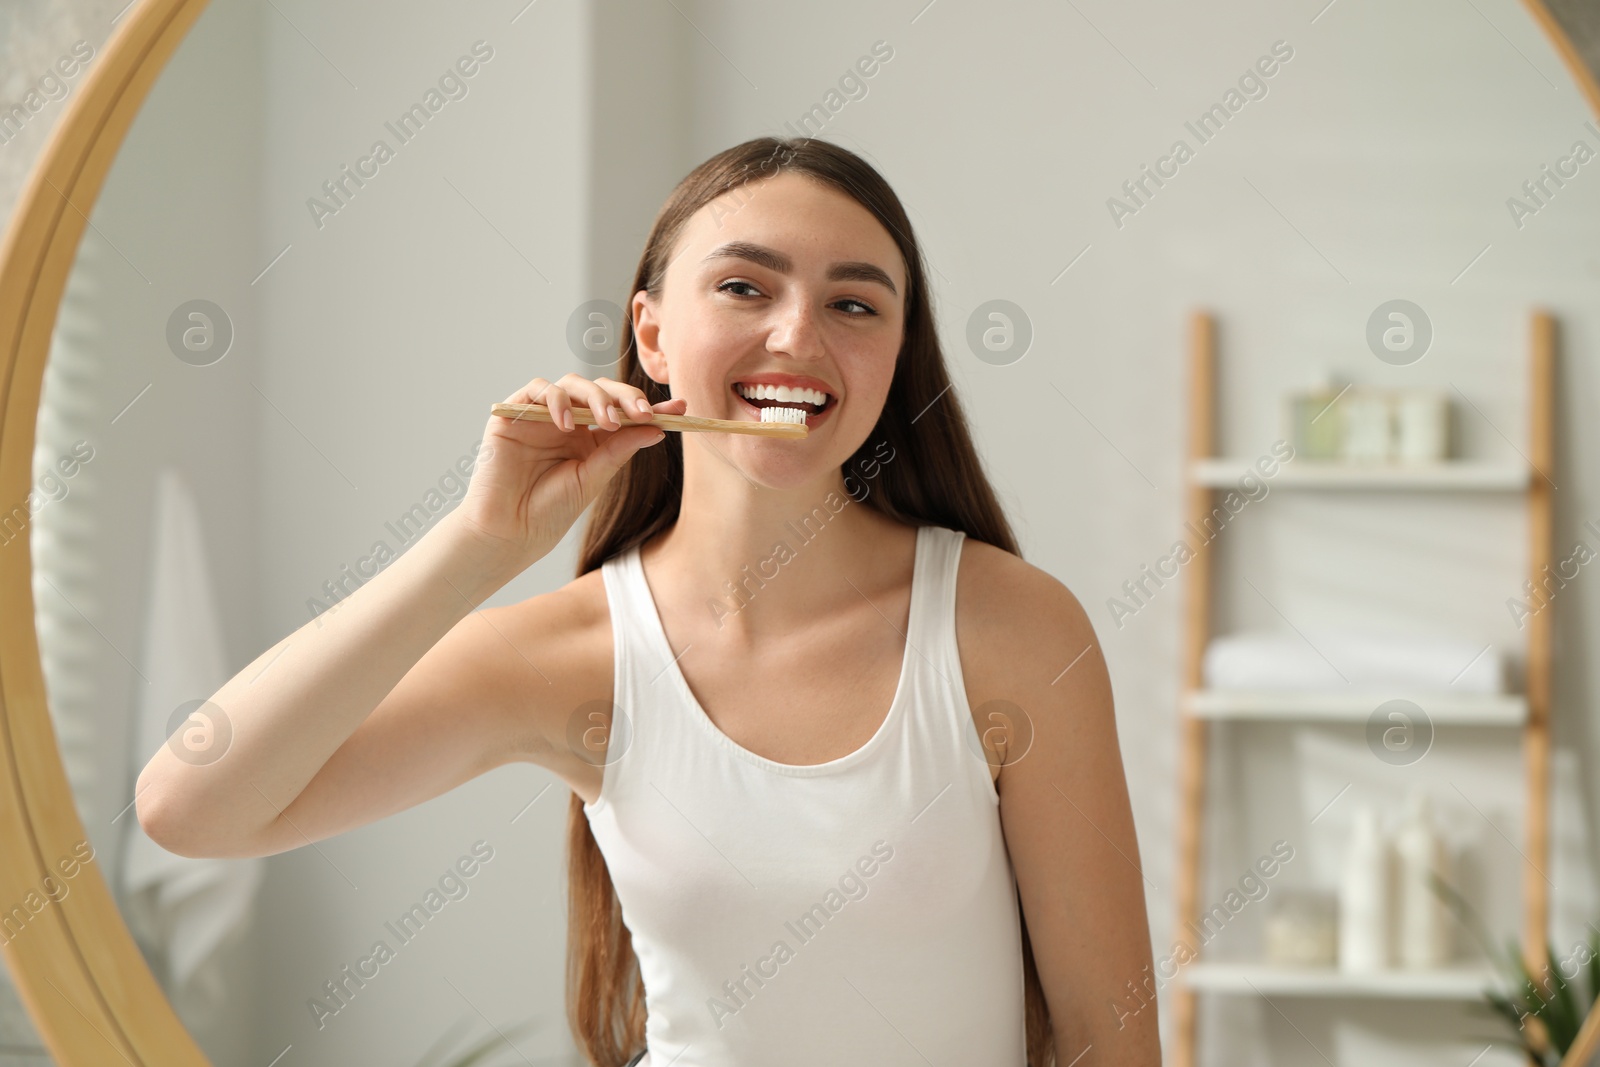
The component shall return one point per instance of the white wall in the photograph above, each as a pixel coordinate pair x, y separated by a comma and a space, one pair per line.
438, 289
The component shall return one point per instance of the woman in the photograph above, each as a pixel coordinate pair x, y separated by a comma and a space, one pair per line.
766, 867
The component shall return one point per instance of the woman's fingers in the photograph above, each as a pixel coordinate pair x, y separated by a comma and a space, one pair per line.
630, 399
610, 400
605, 406
580, 389
552, 396
537, 391
607, 400
559, 401
529, 393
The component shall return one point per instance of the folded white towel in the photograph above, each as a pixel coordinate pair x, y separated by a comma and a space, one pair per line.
1337, 659
183, 910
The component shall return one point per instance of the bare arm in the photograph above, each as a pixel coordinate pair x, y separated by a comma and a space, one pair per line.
303, 753
1066, 816
291, 709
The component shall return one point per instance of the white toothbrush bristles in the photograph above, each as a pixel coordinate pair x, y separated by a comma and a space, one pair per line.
783, 414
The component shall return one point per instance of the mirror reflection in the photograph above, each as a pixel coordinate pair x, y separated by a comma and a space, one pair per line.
404, 728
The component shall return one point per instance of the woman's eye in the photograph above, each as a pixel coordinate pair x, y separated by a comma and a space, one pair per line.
733, 285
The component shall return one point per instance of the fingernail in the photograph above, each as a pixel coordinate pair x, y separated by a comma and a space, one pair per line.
642, 404
566, 420
614, 413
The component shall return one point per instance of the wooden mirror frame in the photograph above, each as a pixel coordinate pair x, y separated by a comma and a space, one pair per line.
80, 974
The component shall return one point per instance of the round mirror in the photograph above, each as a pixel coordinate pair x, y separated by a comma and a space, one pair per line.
279, 259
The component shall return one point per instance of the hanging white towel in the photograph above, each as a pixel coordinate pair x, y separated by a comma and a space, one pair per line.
183, 909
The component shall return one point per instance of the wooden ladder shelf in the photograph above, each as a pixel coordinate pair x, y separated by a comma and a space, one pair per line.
1205, 475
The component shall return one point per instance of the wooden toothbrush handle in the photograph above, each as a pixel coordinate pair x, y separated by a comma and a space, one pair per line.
681, 423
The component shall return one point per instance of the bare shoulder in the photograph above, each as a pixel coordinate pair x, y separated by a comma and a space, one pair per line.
1005, 602
565, 638
1019, 629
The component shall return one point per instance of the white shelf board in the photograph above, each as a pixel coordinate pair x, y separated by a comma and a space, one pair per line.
1295, 705
1463, 982
1335, 474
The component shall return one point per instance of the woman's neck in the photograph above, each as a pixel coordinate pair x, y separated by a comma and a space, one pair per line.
751, 564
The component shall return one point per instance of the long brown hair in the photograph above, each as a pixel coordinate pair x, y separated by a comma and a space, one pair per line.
941, 484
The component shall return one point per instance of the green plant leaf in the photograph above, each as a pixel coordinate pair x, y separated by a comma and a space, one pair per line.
1529, 991
1556, 1004
1564, 1018
1594, 965
1504, 1007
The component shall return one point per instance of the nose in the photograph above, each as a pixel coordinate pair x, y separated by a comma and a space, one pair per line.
794, 330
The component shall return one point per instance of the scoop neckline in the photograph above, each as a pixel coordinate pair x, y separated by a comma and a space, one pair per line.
658, 637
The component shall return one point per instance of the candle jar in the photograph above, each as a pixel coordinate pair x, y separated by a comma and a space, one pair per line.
1301, 929
1422, 425
1368, 426
1314, 423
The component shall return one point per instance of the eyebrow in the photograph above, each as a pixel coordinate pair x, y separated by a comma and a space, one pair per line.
772, 259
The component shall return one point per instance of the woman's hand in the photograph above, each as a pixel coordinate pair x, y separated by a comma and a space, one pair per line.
533, 479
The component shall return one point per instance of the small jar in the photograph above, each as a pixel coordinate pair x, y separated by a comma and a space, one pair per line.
1422, 425
1301, 929
1314, 420
1368, 426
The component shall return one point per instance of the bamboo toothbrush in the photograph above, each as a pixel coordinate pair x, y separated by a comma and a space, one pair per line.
775, 421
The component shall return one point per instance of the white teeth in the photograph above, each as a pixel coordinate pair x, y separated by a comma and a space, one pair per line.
783, 394
792, 415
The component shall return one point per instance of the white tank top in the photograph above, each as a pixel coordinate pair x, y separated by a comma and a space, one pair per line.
859, 911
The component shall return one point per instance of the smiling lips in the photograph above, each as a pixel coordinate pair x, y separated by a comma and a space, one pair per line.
814, 402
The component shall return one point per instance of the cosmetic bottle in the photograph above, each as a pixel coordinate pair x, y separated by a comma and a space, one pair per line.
1421, 929
1364, 897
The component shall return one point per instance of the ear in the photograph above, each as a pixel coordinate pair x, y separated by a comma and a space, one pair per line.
647, 338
